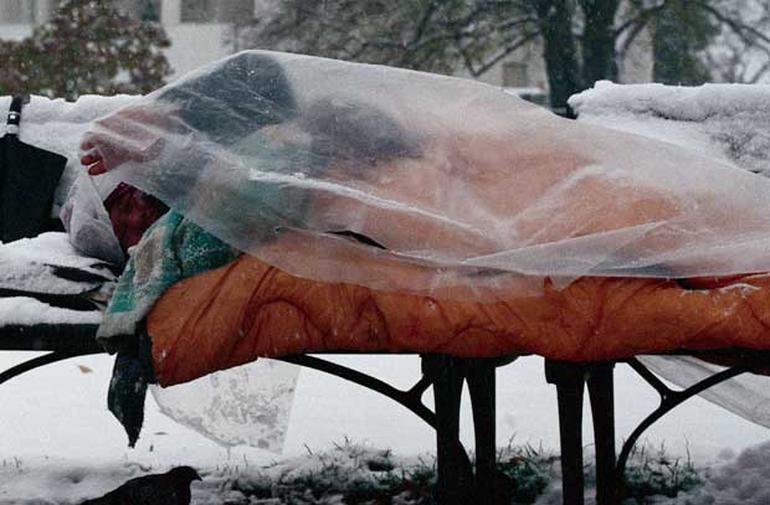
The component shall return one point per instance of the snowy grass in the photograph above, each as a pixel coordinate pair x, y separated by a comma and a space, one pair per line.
350, 473
655, 473
529, 470
357, 474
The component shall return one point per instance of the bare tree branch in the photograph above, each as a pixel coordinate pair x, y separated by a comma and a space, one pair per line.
736, 25
501, 54
641, 19
759, 73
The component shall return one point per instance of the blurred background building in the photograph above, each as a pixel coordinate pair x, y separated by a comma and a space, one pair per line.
198, 29
204, 30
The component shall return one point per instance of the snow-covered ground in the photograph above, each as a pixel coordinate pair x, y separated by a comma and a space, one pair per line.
60, 444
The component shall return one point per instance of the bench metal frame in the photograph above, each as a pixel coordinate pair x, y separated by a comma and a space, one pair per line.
571, 379
458, 480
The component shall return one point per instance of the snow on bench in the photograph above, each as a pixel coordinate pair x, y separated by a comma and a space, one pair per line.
50, 296
58, 126
727, 121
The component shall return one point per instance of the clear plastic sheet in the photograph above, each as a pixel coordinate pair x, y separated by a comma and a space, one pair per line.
88, 223
249, 404
745, 395
481, 188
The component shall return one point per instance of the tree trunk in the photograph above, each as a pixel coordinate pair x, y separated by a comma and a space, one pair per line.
598, 40
559, 52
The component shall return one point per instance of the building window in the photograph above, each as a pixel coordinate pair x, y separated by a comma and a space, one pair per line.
149, 10
142, 10
515, 75
222, 11
198, 11
235, 11
17, 11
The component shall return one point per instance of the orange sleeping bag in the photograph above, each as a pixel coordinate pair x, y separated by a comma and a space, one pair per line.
248, 309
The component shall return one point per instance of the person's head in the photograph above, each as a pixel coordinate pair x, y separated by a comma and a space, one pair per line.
247, 92
355, 135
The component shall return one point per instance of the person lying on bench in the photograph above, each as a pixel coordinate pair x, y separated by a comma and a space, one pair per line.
455, 175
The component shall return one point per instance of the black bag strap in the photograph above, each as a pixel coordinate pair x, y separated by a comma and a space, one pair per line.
14, 115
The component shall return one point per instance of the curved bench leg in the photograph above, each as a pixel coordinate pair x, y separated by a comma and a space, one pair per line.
569, 379
447, 375
670, 399
454, 474
37, 362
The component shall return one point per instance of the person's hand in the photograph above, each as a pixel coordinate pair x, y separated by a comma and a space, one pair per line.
104, 153
95, 158
131, 134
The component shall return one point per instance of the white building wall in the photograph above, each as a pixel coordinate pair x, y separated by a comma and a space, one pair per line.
637, 64
15, 31
194, 45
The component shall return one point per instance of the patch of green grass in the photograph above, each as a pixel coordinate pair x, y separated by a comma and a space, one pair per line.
654, 473
528, 469
353, 474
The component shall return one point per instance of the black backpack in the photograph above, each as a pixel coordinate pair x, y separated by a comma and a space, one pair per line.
28, 179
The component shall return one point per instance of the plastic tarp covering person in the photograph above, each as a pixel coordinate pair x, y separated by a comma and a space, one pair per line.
489, 189
342, 172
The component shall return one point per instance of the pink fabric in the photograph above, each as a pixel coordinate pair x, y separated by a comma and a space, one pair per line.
131, 212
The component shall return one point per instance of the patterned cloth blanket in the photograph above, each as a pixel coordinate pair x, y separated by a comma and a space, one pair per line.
172, 249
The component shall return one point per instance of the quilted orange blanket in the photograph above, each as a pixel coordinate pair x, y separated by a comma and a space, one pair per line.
249, 309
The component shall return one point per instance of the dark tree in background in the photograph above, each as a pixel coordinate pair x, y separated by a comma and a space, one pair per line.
435, 36
680, 42
86, 47
581, 40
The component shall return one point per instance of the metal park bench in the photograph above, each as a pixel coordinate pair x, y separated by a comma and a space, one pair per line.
459, 481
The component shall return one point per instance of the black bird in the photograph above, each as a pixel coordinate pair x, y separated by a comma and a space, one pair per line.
170, 488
